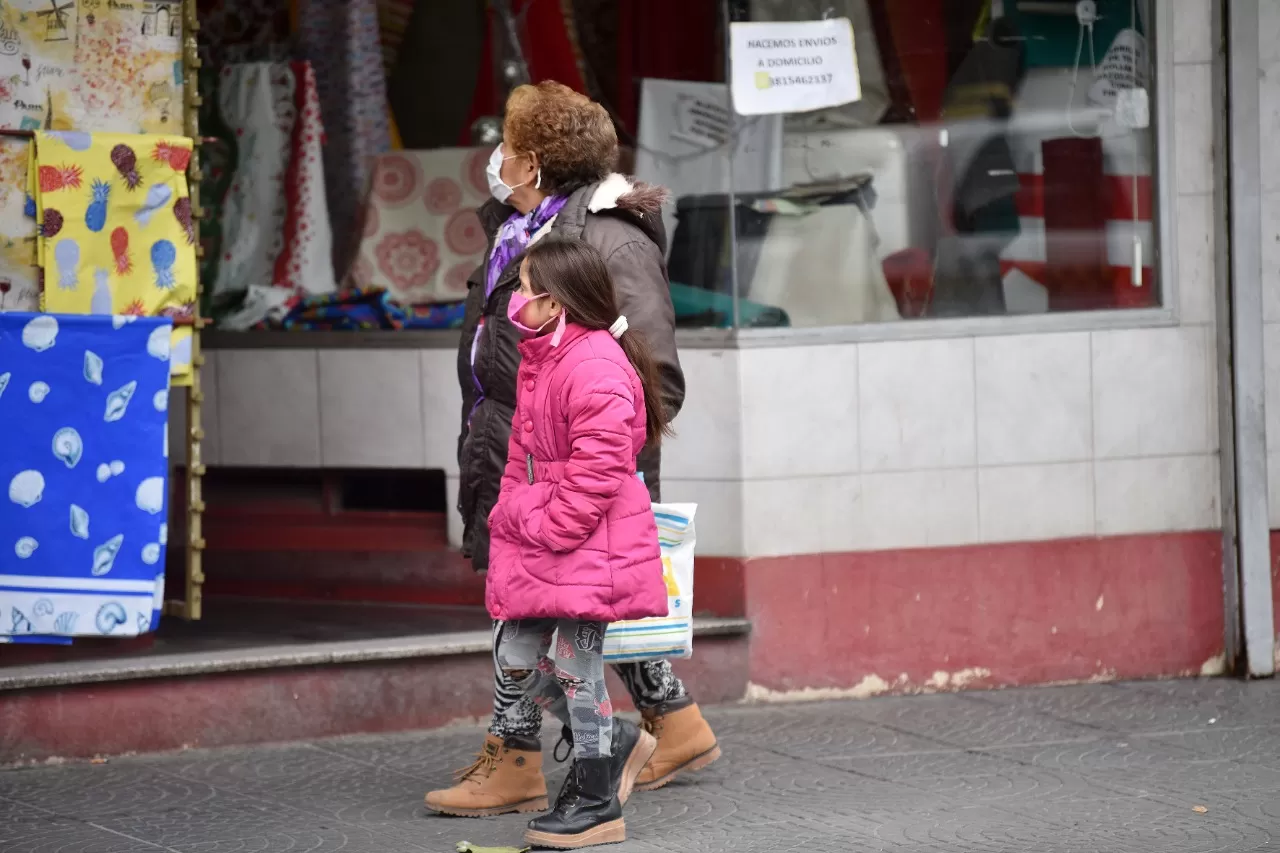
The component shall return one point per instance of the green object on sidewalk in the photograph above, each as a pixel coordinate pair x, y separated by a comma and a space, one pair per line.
468, 847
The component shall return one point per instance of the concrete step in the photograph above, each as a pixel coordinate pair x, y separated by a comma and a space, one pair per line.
176, 699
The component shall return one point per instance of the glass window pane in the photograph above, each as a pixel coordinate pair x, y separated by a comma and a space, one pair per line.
998, 160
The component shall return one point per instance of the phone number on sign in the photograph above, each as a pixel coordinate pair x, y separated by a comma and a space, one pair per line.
801, 80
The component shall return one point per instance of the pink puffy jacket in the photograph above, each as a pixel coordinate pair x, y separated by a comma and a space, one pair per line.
573, 534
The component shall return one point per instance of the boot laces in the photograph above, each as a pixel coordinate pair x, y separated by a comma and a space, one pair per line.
486, 762
570, 791
652, 725
566, 740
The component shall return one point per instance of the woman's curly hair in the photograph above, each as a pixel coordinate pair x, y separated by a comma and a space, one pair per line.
572, 135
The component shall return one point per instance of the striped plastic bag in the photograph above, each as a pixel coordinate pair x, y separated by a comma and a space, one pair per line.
669, 636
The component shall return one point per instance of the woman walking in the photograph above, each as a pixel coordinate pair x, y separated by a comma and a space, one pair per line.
552, 177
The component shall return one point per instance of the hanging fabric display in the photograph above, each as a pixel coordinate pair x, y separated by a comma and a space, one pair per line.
393, 20
257, 101
242, 31
127, 71
86, 477
116, 234
422, 237
37, 58
37, 53
19, 275
306, 259
218, 157
340, 40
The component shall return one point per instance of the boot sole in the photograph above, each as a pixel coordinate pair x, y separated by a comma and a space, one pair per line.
636, 762
711, 756
613, 832
537, 804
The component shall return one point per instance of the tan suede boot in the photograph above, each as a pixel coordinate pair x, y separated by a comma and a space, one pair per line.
685, 743
506, 777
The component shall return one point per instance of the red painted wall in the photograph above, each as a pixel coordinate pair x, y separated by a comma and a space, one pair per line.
1122, 607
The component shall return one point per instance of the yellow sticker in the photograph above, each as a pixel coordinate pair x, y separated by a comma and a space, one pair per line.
669, 577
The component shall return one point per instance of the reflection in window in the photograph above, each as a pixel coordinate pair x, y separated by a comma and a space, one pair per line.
999, 161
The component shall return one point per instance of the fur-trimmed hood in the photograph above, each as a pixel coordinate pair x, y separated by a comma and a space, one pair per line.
617, 196
625, 200
619, 192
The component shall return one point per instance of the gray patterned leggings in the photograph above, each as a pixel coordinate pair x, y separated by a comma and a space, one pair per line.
515, 714
559, 665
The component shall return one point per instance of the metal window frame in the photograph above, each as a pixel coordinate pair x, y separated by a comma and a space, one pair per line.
1247, 594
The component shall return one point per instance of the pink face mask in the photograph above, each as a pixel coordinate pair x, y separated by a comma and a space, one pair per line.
516, 306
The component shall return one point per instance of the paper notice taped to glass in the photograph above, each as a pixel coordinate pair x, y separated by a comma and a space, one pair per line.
793, 67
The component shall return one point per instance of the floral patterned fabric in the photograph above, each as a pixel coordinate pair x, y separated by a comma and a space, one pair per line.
306, 260
422, 238
340, 40
258, 103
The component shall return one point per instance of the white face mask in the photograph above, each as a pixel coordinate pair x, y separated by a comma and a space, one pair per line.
493, 172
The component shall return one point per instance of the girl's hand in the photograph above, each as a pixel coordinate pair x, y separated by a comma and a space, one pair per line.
496, 515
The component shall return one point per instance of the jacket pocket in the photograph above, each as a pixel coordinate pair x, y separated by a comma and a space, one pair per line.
497, 515
523, 509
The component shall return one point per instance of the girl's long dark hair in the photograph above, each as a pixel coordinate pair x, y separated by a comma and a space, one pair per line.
575, 275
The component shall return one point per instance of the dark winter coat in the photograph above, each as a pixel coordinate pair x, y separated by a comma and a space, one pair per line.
623, 220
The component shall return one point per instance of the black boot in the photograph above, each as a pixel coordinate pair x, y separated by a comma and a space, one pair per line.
586, 813
632, 749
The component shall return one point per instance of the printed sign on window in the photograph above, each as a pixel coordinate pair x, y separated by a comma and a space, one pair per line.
1123, 67
793, 67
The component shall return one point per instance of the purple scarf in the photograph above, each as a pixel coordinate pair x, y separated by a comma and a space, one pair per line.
514, 236
512, 239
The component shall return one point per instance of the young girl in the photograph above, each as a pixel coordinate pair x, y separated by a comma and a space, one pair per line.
574, 545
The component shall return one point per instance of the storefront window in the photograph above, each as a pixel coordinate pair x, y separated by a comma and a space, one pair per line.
997, 160
976, 158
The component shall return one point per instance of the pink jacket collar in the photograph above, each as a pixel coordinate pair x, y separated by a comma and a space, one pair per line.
539, 349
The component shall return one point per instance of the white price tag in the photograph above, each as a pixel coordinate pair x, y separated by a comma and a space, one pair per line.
1133, 109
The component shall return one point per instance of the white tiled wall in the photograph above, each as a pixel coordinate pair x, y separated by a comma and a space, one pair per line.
823, 448
1033, 399
268, 408
828, 448
707, 445
1151, 392
1030, 437
915, 402
371, 409
798, 428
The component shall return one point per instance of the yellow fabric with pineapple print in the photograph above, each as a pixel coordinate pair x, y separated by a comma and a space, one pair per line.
115, 227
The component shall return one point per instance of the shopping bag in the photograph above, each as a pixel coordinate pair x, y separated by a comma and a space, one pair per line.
669, 636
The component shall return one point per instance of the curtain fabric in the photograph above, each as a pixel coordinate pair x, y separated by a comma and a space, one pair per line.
340, 38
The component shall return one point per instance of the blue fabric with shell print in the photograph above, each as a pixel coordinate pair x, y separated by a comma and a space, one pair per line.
84, 468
